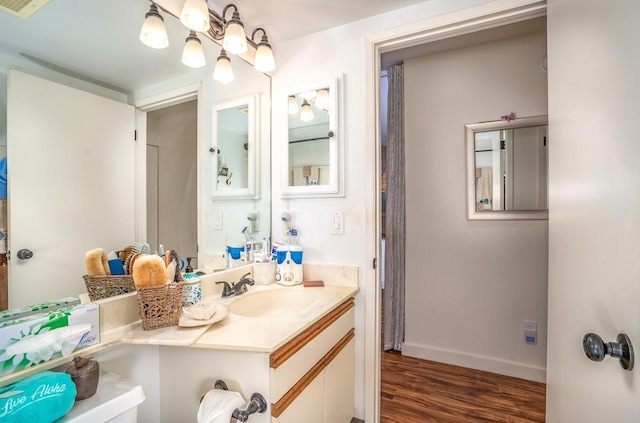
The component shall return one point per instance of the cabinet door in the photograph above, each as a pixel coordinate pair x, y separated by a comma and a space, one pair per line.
339, 378
308, 407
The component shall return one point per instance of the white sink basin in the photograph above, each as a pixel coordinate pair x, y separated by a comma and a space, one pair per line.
271, 303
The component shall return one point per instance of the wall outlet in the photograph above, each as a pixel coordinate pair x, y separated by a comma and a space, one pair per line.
530, 329
217, 225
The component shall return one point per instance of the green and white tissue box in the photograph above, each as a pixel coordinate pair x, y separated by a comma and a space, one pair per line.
37, 338
16, 313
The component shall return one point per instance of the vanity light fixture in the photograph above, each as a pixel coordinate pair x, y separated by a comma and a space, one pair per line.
306, 114
153, 32
293, 105
223, 72
235, 40
263, 61
195, 15
193, 55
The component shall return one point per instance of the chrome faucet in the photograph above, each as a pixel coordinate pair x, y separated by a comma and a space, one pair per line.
237, 288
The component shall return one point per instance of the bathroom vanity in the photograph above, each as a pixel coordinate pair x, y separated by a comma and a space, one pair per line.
294, 345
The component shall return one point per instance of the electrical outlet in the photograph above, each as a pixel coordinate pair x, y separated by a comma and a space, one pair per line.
530, 329
217, 225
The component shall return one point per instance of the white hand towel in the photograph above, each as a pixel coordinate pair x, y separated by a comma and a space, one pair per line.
218, 405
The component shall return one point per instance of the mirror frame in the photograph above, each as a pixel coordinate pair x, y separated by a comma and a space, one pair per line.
251, 101
336, 144
471, 129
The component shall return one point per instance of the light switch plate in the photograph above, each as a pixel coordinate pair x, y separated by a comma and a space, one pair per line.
337, 223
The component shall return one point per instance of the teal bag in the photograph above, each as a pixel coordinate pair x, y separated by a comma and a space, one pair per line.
41, 398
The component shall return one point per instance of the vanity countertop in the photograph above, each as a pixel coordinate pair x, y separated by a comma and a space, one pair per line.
267, 334
236, 332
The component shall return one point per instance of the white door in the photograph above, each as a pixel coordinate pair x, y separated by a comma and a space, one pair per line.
594, 209
70, 177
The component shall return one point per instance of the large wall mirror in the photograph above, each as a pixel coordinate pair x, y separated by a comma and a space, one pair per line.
507, 172
234, 148
216, 218
314, 142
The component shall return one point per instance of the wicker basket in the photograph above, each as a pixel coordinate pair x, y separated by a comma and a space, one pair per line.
100, 287
159, 306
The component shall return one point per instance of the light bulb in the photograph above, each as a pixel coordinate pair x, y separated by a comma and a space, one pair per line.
322, 99
235, 40
293, 105
264, 61
193, 55
153, 32
306, 114
195, 15
223, 72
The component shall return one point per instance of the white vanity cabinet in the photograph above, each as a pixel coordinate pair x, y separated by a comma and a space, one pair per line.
309, 379
312, 376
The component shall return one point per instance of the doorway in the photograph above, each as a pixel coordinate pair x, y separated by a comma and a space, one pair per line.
430, 47
172, 179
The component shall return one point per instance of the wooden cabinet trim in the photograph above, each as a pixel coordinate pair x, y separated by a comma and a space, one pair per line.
278, 408
286, 351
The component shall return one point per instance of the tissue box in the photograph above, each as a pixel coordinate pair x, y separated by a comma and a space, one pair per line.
14, 331
16, 313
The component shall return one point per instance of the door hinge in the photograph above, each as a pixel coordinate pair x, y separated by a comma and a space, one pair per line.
375, 262
135, 135
8, 255
503, 145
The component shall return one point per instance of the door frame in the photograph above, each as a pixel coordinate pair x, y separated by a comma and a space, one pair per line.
149, 104
465, 21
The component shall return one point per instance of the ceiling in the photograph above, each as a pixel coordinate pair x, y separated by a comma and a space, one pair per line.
97, 40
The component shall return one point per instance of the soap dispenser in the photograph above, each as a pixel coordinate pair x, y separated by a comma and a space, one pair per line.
192, 290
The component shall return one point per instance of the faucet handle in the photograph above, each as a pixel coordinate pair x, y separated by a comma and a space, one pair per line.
226, 289
246, 279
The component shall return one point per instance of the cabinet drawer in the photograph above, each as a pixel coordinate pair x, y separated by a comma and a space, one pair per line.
295, 359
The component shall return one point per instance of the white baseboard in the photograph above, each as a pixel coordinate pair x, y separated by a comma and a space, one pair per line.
487, 364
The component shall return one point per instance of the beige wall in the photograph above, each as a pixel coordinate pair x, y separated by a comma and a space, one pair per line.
173, 131
470, 284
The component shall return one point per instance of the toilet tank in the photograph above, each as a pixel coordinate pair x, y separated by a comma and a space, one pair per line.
115, 401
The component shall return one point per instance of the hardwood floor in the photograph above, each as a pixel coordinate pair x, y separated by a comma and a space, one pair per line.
420, 391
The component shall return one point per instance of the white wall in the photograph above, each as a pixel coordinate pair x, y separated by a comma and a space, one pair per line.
247, 81
470, 284
318, 57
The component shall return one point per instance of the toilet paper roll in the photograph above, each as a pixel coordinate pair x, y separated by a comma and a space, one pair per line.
217, 406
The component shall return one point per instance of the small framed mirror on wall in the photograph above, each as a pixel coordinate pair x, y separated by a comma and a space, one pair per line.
507, 169
314, 150
233, 148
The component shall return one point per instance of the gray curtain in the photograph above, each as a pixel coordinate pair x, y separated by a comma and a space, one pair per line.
395, 215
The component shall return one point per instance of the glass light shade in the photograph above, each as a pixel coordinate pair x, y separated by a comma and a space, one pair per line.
153, 32
306, 114
293, 105
195, 15
223, 72
322, 99
235, 40
192, 54
264, 61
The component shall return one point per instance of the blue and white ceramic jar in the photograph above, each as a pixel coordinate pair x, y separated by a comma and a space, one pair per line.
192, 291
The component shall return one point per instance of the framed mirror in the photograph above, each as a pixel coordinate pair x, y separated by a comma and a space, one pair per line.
233, 148
314, 151
507, 169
